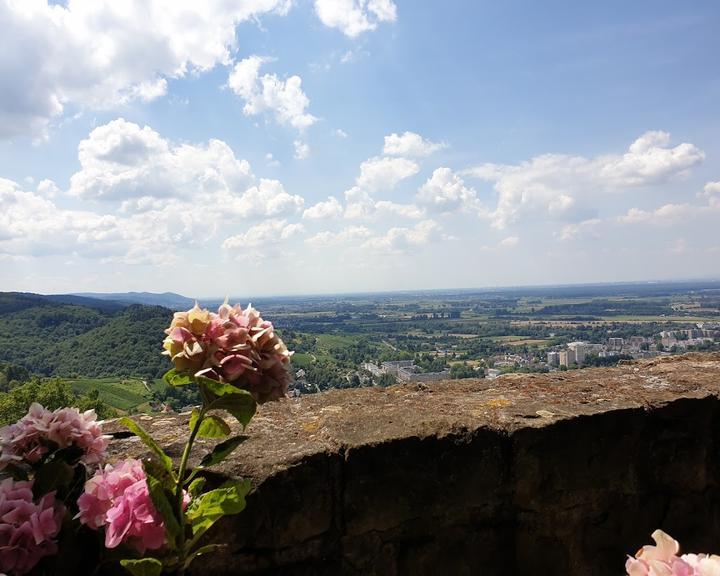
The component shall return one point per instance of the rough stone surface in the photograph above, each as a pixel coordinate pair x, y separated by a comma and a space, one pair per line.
554, 474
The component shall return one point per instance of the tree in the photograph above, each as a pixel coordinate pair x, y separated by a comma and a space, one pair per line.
458, 371
386, 380
52, 394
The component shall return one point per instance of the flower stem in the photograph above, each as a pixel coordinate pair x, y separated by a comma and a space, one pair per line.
179, 488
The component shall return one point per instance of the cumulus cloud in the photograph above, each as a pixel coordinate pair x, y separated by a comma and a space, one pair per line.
560, 185
711, 191
103, 53
263, 238
32, 225
358, 203
148, 199
575, 231
670, 214
121, 160
348, 234
268, 198
445, 191
376, 175
330, 208
400, 239
402, 210
285, 99
383, 174
410, 144
509, 242
353, 17
302, 150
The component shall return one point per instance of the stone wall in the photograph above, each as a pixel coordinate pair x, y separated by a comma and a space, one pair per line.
526, 474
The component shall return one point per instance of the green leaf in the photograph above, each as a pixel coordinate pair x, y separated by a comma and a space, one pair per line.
203, 550
208, 508
162, 504
218, 388
211, 426
175, 378
54, 475
240, 404
222, 451
196, 486
136, 429
143, 567
158, 471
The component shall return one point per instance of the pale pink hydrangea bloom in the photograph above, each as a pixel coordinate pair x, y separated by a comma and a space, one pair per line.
663, 560
118, 499
234, 345
42, 430
27, 528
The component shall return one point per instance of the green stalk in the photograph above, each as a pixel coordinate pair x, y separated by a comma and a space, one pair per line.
179, 487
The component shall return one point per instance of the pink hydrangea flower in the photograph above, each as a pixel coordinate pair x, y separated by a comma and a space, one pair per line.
663, 560
27, 528
117, 498
42, 430
234, 345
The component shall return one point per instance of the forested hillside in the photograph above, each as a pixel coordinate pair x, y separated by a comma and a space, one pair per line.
51, 338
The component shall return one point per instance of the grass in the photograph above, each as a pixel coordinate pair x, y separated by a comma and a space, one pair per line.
121, 393
335, 341
300, 360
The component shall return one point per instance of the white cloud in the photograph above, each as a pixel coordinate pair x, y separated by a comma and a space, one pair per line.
353, 17
509, 242
672, 214
35, 226
149, 200
561, 185
383, 174
330, 208
579, 230
102, 53
402, 210
272, 162
302, 150
266, 199
120, 160
284, 98
445, 191
48, 189
400, 239
344, 236
376, 174
667, 214
263, 236
410, 144
711, 191
340, 133
358, 203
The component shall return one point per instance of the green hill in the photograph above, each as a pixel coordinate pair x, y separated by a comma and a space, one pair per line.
52, 338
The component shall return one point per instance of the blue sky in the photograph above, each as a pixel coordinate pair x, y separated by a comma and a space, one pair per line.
284, 147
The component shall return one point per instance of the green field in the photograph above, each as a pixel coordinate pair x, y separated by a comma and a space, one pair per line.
121, 393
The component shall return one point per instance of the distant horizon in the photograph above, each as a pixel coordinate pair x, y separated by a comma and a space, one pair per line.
404, 291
